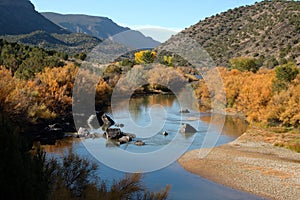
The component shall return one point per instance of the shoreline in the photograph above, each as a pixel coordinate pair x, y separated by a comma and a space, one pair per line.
251, 165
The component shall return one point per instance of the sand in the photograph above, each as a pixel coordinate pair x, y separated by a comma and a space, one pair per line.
249, 165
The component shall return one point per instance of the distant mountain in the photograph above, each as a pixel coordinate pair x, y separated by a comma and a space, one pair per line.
20, 22
268, 31
19, 17
103, 28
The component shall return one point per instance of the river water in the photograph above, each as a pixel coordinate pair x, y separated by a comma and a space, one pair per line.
160, 113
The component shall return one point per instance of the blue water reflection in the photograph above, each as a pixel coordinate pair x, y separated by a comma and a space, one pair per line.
184, 185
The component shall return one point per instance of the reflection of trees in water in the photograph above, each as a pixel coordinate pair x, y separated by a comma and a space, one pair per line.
138, 106
233, 127
164, 100
187, 99
61, 146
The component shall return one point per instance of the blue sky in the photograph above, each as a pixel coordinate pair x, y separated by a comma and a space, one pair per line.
140, 14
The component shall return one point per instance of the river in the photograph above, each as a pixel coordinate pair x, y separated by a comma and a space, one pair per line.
184, 185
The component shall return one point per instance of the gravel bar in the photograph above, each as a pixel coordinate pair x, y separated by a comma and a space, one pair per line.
251, 166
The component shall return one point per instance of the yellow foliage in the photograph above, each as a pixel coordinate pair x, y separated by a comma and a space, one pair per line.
145, 56
138, 57
255, 94
284, 107
46, 96
251, 94
103, 92
41, 111
7, 84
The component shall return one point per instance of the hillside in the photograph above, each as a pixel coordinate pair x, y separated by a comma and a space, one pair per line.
20, 17
101, 27
268, 31
71, 43
23, 24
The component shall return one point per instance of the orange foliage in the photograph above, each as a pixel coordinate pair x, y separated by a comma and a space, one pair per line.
251, 94
7, 84
103, 92
49, 94
45, 97
255, 94
211, 90
202, 93
54, 87
90, 84
284, 106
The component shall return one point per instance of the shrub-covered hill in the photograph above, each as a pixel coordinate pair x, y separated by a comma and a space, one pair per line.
24, 61
268, 31
71, 43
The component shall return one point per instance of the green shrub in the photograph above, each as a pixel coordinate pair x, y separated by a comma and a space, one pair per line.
244, 64
284, 76
81, 56
168, 60
286, 72
127, 62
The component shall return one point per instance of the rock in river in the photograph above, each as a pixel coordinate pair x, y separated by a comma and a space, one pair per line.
124, 139
113, 133
83, 132
139, 143
119, 125
186, 128
107, 120
184, 111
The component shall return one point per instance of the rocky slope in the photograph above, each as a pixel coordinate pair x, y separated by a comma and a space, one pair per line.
20, 17
268, 31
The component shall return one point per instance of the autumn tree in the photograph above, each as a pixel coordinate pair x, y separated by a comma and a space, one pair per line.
284, 106
146, 57
7, 84
245, 92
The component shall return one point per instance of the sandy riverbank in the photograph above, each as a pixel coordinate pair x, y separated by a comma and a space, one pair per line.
250, 165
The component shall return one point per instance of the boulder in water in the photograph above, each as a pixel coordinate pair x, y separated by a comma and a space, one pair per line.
124, 139
184, 111
139, 143
165, 133
83, 132
186, 128
119, 125
113, 133
107, 120
132, 136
